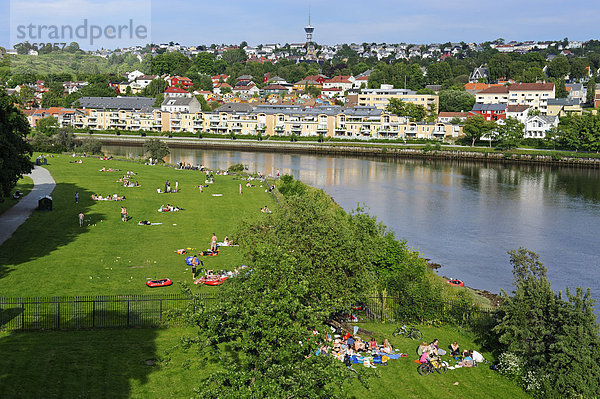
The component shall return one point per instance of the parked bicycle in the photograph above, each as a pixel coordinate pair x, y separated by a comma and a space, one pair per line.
434, 364
408, 332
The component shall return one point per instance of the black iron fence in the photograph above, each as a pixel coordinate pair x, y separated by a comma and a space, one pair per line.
67, 313
395, 309
126, 311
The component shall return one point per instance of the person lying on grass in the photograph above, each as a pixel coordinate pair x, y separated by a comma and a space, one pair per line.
169, 208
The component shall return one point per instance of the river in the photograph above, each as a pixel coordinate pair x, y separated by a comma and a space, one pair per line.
463, 215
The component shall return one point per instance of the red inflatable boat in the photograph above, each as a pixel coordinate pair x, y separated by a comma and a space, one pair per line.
456, 283
159, 283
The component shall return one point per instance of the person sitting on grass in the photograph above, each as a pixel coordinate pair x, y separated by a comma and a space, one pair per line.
373, 344
422, 348
387, 347
359, 345
467, 360
454, 350
424, 356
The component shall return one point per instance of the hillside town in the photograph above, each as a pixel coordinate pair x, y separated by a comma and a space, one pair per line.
337, 91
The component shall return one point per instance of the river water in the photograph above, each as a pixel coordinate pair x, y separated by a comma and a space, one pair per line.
463, 215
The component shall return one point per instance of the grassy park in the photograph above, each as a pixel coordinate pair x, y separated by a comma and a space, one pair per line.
51, 255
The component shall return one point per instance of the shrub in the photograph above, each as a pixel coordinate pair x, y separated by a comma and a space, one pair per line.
236, 168
90, 145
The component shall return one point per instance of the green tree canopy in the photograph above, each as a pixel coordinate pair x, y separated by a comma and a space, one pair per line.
47, 126
476, 127
510, 133
555, 339
14, 150
456, 101
157, 149
398, 107
559, 67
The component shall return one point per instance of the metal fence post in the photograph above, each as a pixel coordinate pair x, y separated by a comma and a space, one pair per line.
128, 313
93, 314
160, 317
22, 316
58, 321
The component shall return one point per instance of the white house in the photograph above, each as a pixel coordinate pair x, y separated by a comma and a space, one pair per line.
131, 76
519, 112
536, 126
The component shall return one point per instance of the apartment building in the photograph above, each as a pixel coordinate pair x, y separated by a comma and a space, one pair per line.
534, 95
380, 98
284, 120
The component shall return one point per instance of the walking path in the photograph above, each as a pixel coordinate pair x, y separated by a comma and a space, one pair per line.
43, 184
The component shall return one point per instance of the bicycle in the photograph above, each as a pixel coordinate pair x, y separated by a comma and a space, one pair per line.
438, 365
408, 332
433, 365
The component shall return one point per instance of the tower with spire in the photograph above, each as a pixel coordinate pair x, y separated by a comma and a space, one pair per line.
309, 29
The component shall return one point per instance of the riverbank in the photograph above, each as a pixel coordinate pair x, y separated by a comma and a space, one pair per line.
386, 150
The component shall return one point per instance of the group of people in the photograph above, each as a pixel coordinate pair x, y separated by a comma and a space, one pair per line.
169, 208
466, 358
265, 209
98, 197
168, 188
109, 170
123, 214
352, 349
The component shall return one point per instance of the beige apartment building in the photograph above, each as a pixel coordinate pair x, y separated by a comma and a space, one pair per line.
534, 95
281, 120
380, 98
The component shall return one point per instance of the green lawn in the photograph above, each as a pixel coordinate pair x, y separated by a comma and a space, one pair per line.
24, 185
69, 364
50, 255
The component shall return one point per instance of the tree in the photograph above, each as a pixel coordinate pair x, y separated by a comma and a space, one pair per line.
158, 101
313, 91
73, 47
314, 262
64, 138
455, 101
47, 126
510, 133
525, 326
561, 90
233, 56
414, 112
203, 103
591, 91
25, 97
157, 149
156, 87
559, 67
500, 66
578, 68
14, 150
476, 127
532, 75
556, 340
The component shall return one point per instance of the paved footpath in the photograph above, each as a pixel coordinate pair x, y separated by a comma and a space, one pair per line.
43, 184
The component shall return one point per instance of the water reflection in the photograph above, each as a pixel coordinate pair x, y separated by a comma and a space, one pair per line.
464, 215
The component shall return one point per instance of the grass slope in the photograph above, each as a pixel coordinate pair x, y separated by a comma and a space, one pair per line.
80, 364
55, 63
50, 255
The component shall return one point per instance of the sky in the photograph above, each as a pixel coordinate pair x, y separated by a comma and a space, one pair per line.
282, 21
